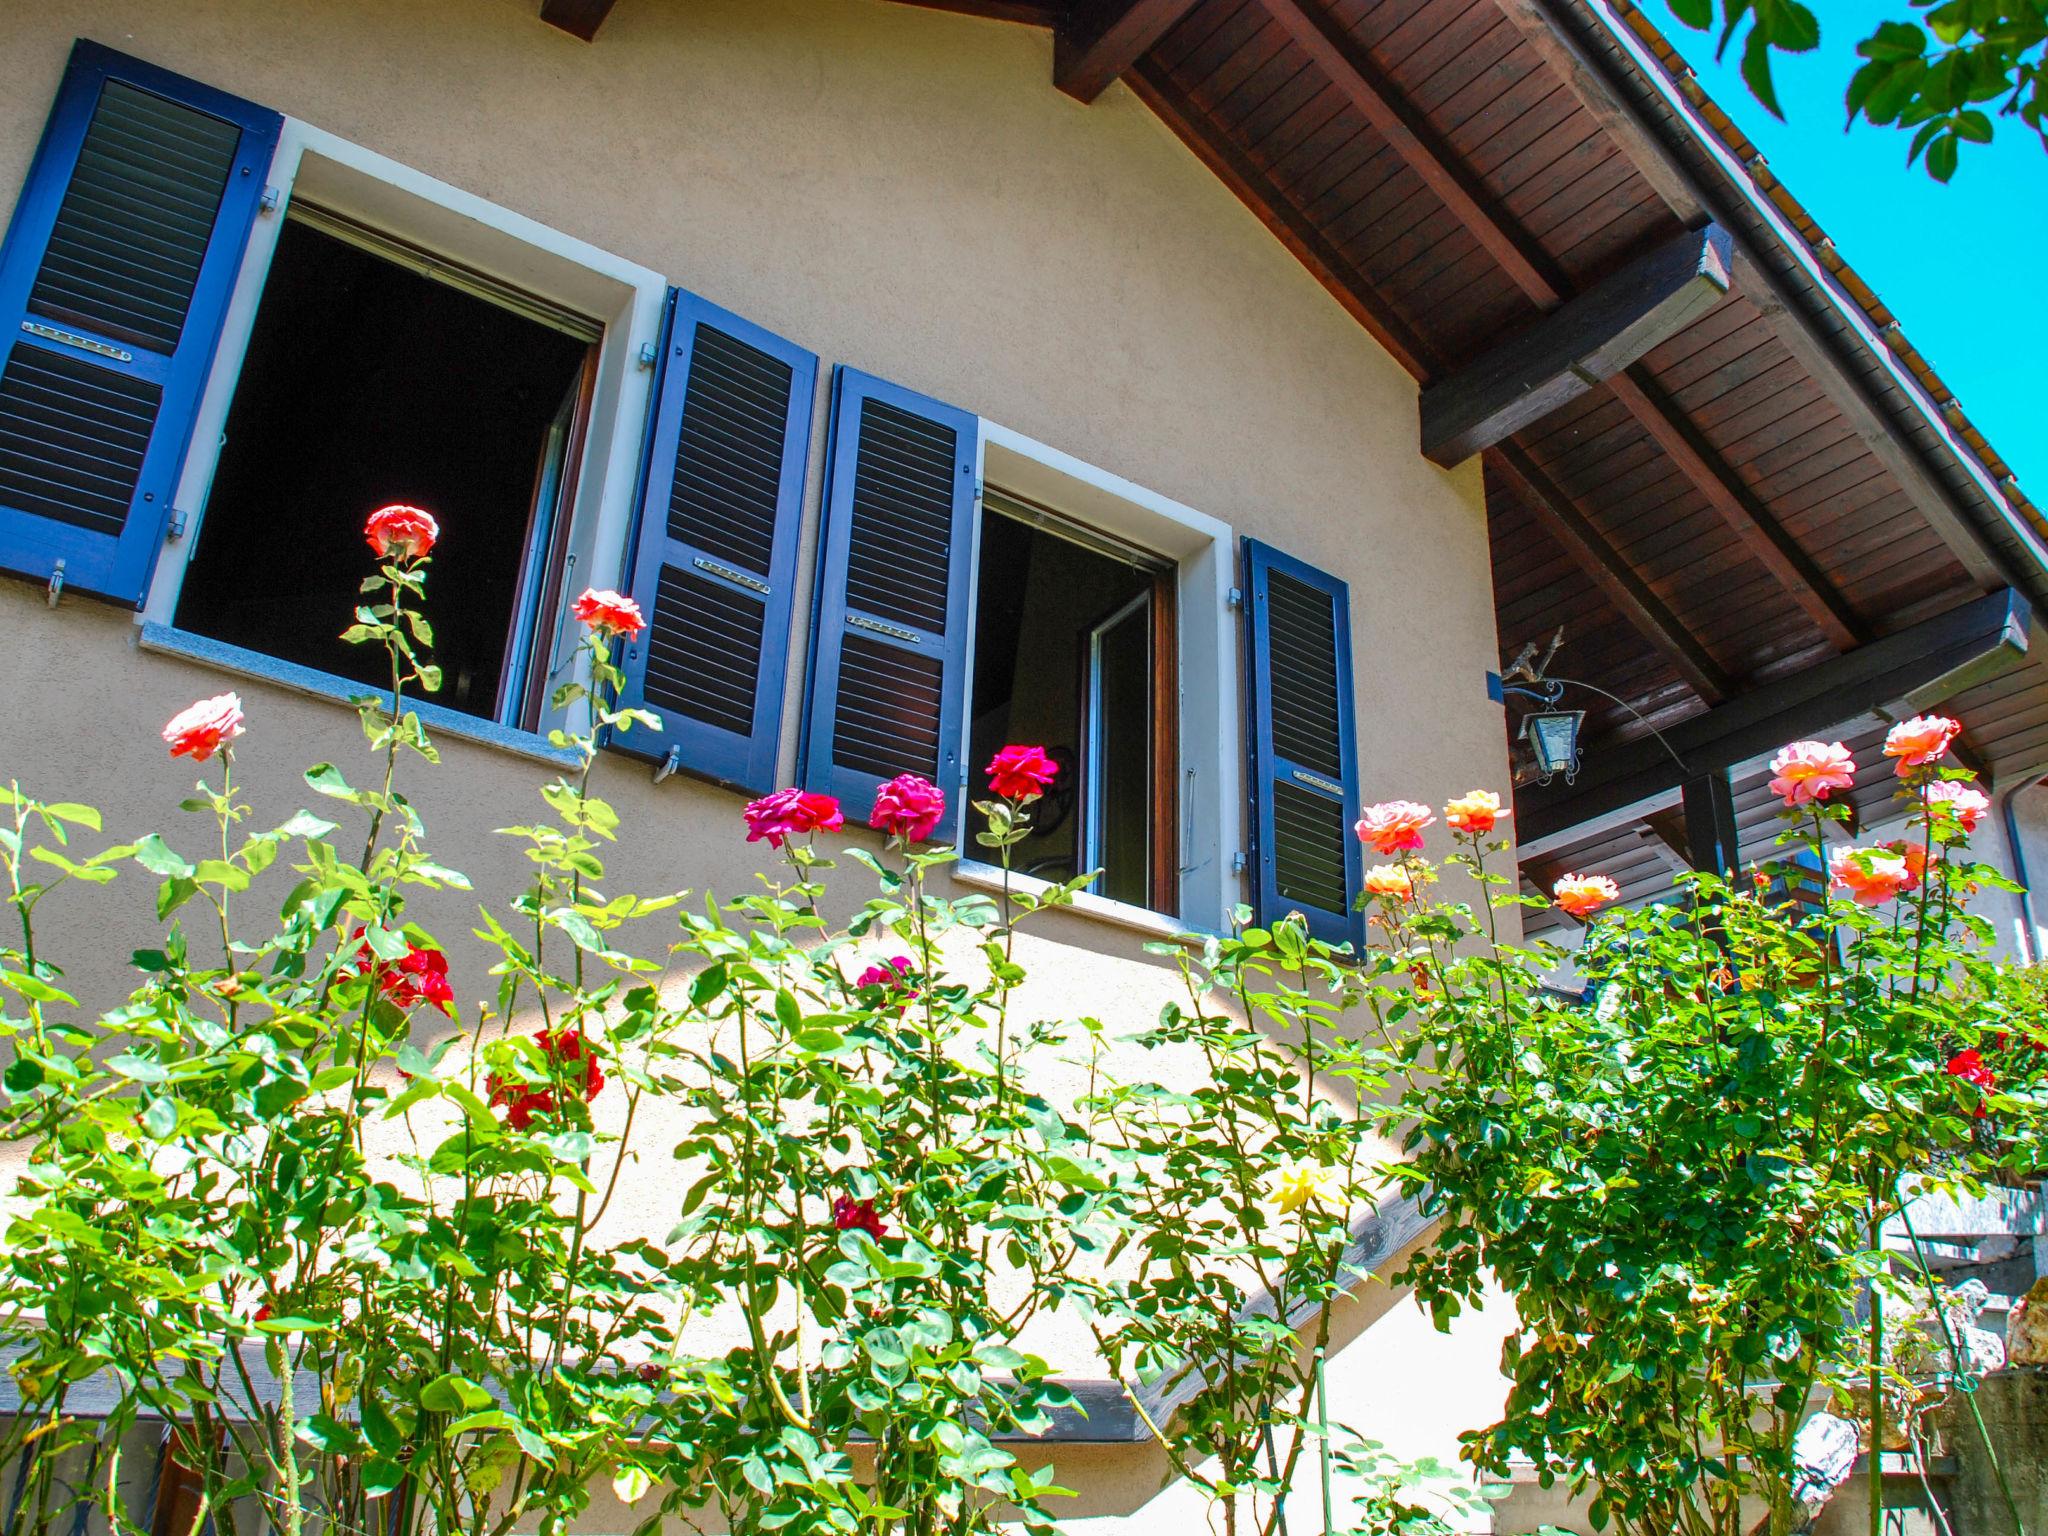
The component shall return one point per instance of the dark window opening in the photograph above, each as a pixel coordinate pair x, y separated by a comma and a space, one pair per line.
1073, 651
368, 382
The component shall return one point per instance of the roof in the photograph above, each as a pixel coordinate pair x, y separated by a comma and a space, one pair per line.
1779, 483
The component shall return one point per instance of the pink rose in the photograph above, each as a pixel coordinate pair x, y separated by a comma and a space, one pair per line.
1952, 800
608, 613
890, 973
1811, 770
1021, 773
400, 532
1395, 826
791, 813
908, 807
1921, 740
206, 727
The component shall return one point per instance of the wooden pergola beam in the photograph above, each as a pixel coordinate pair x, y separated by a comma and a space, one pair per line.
1572, 349
1739, 508
1948, 653
1091, 49
1561, 518
578, 18
1313, 249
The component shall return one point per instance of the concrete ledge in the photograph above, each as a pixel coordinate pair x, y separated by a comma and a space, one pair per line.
164, 640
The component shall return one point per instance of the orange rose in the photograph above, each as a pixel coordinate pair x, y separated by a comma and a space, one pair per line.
1475, 813
1390, 880
1583, 895
203, 729
1921, 740
1872, 876
400, 532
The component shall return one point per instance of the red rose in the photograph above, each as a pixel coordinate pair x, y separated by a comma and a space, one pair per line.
1969, 1067
908, 807
521, 1101
400, 532
790, 813
849, 1214
204, 728
418, 976
608, 613
1021, 773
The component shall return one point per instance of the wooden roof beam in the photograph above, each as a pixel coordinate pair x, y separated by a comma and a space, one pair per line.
1948, 653
1571, 350
1760, 533
1561, 518
578, 18
1311, 247
1092, 48
1409, 136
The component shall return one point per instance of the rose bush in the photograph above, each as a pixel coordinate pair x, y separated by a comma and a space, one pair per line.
296, 1154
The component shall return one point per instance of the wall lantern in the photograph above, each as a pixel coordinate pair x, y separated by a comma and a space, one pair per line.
1554, 737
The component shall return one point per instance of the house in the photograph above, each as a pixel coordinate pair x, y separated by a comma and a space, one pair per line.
937, 376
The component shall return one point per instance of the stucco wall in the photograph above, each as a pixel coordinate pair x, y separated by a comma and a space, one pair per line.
897, 189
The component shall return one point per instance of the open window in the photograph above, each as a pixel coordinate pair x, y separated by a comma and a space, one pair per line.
377, 372
1074, 651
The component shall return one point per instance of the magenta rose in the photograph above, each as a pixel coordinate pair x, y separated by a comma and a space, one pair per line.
908, 807
791, 813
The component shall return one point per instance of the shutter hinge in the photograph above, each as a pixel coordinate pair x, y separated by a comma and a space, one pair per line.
1234, 599
176, 529
649, 353
56, 583
1238, 863
670, 765
271, 200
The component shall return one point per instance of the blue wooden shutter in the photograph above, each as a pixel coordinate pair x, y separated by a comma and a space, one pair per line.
1304, 757
114, 279
889, 624
714, 565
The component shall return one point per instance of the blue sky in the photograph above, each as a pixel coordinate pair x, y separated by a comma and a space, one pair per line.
1965, 266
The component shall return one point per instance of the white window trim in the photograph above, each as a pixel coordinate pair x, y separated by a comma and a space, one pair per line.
1209, 734
626, 298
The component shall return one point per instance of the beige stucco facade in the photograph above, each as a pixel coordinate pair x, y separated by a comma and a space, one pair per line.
900, 190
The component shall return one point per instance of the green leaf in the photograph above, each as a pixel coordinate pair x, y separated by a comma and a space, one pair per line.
886, 1348
159, 858
451, 1393
24, 1074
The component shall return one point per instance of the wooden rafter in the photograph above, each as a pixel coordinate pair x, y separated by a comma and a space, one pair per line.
1531, 268
1562, 519
1738, 507
579, 18
1313, 249
1089, 50
1573, 348
1340, 58
1948, 653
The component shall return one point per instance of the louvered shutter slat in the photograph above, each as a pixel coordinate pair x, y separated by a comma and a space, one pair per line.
114, 281
1304, 753
714, 564
889, 629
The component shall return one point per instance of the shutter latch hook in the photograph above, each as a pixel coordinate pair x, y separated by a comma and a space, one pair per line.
56, 583
670, 765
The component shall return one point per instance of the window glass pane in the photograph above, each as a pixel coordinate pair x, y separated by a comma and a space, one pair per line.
1062, 660
1119, 810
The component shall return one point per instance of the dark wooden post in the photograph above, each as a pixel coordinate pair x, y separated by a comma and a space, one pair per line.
1710, 836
